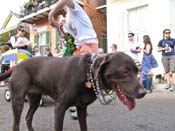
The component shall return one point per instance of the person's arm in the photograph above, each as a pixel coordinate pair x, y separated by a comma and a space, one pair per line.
148, 49
137, 50
16, 43
59, 6
28, 43
160, 48
150, 73
62, 32
1, 59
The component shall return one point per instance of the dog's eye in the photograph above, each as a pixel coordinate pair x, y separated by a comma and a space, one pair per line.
125, 73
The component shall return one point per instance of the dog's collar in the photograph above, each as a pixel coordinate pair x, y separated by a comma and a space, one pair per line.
104, 97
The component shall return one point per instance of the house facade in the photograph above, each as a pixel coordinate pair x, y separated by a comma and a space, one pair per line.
142, 17
8, 28
44, 35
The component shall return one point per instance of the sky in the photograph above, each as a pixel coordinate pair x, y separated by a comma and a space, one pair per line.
8, 5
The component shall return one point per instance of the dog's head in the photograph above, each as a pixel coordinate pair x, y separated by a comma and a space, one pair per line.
119, 72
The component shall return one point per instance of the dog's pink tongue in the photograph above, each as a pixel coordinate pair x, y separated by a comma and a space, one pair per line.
130, 103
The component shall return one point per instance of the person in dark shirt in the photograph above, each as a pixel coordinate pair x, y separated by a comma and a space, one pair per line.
167, 46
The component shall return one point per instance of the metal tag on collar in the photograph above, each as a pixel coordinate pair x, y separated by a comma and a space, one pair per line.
88, 84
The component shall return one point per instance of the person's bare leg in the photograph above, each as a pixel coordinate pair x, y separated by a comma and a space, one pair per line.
173, 82
173, 78
167, 76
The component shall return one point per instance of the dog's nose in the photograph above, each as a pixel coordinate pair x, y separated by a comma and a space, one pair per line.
141, 92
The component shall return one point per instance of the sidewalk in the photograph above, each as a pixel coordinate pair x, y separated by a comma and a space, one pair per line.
160, 87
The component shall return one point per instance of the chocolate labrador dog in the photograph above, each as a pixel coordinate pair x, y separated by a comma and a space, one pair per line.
65, 79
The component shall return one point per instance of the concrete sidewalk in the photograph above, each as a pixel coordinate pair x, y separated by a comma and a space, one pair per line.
160, 87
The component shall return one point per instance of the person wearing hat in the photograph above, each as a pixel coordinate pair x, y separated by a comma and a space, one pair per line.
20, 41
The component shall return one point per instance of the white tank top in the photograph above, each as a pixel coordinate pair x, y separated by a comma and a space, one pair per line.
80, 25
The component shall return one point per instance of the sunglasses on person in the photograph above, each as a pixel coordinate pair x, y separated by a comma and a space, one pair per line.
167, 33
22, 30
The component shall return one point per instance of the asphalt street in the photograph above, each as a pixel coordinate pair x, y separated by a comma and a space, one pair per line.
155, 112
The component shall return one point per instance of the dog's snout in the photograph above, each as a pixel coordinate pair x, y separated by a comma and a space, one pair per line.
141, 92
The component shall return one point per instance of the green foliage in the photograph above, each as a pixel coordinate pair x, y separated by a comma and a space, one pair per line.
28, 5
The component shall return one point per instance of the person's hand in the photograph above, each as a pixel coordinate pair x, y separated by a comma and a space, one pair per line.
63, 20
60, 25
166, 48
52, 21
138, 49
29, 44
20, 41
141, 73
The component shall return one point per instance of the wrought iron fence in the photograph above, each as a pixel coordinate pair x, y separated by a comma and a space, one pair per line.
35, 5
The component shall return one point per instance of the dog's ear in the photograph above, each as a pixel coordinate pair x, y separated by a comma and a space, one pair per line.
98, 65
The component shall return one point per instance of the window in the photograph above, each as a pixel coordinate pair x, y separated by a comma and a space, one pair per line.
44, 41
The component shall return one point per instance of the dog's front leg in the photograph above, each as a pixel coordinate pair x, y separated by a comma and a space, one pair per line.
59, 116
82, 113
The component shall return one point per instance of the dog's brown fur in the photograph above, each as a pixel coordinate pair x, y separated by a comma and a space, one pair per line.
64, 79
